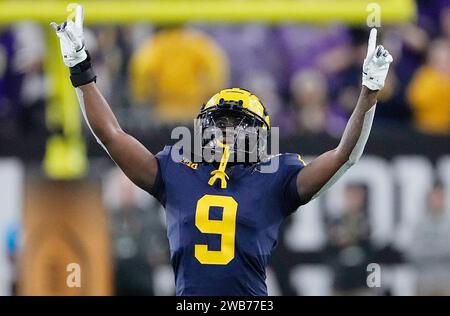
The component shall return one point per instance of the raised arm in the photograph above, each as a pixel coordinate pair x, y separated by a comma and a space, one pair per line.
131, 156
326, 169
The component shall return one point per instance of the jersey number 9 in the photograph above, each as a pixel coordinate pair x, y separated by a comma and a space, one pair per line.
225, 227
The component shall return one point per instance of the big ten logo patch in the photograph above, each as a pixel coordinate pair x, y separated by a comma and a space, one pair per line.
189, 163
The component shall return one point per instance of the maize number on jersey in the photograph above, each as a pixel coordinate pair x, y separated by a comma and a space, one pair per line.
225, 227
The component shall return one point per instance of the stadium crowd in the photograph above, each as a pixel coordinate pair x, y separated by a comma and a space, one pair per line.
308, 76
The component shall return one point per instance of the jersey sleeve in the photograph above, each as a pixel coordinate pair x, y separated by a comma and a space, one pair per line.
159, 188
290, 166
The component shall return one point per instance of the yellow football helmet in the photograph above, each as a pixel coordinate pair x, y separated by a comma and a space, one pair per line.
243, 125
240, 116
239, 100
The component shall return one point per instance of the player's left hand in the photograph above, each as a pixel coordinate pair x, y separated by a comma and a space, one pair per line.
376, 64
71, 39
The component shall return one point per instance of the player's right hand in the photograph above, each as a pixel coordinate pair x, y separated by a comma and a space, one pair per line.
71, 39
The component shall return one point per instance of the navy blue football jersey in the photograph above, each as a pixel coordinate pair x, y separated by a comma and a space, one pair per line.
221, 239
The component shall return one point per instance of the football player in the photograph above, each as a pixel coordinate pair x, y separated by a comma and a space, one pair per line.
222, 219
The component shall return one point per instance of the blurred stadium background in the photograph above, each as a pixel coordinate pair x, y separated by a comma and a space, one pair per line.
63, 201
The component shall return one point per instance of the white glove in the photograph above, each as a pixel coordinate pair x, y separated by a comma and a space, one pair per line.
376, 64
71, 39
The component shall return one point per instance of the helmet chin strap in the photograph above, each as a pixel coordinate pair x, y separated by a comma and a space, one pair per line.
220, 173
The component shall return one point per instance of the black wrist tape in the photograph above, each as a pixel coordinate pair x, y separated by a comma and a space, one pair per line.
82, 73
